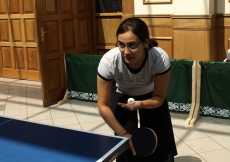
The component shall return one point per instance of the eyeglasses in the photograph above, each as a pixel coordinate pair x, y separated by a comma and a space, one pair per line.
131, 45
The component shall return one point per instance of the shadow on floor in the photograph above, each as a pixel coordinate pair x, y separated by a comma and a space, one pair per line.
187, 159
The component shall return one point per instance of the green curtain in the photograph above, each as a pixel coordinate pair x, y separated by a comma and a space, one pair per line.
215, 89
179, 94
81, 72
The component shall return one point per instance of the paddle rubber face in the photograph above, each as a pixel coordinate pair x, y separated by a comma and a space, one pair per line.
145, 141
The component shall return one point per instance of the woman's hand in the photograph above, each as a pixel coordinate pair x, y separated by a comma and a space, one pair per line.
137, 105
130, 143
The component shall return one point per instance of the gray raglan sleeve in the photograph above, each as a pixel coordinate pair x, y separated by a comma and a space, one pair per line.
163, 65
104, 69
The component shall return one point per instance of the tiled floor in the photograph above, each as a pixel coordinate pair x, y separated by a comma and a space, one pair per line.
207, 141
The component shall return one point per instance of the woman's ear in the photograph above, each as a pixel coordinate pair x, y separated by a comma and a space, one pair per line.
147, 41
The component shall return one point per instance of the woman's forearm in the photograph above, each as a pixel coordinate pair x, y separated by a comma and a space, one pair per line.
110, 119
159, 93
153, 102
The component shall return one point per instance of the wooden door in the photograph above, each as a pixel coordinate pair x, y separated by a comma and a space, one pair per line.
64, 26
18, 41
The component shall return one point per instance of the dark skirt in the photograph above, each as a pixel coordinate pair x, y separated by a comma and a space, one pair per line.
158, 119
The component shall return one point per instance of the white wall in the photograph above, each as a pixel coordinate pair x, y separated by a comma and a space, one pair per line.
140, 8
192, 7
223, 6
183, 7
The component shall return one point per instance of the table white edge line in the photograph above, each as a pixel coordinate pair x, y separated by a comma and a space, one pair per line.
111, 150
5, 122
37, 122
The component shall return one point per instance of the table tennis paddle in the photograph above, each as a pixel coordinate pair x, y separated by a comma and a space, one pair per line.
144, 141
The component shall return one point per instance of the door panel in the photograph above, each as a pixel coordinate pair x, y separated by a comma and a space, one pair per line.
68, 29
51, 37
64, 27
18, 40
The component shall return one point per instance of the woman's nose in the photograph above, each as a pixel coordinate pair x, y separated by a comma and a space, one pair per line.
126, 50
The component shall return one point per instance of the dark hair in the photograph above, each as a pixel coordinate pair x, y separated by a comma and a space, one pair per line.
138, 27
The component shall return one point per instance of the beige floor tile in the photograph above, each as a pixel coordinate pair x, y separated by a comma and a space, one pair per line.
188, 133
40, 116
189, 158
4, 88
65, 106
182, 148
205, 121
183, 115
3, 101
61, 113
223, 140
226, 124
3, 96
85, 111
203, 145
23, 117
17, 98
74, 126
106, 132
95, 126
219, 120
95, 105
64, 121
78, 104
15, 112
7, 80
212, 129
27, 82
178, 122
179, 116
177, 139
15, 105
64, 110
37, 110
34, 100
37, 88
89, 118
2, 106
32, 94
47, 121
17, 91
222, 155
34, 103
174, 115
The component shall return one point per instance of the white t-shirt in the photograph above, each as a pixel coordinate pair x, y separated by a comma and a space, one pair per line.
133, 83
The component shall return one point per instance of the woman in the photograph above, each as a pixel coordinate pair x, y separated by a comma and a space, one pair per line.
140, 71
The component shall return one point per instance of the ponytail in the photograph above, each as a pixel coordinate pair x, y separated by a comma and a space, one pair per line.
152, 43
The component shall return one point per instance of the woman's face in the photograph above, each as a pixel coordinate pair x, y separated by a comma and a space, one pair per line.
132, 49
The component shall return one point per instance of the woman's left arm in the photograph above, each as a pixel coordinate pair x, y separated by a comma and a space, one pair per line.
160, 89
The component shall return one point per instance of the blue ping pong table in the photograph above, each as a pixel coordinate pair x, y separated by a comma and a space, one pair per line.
25, 141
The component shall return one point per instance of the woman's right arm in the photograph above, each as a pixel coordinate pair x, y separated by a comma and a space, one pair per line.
104, 94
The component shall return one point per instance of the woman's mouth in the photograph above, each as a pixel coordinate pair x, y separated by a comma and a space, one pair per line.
128, 57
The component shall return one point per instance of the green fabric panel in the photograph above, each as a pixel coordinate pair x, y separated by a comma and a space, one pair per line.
215, 89
179, 94
81, 72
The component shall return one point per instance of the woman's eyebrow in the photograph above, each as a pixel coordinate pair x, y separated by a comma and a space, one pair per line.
128, 42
